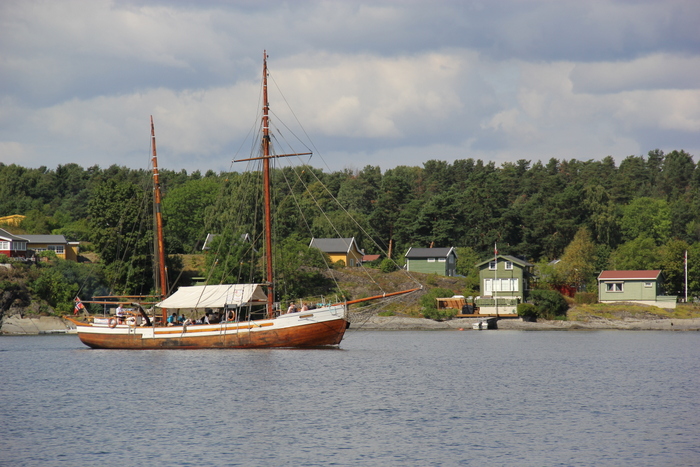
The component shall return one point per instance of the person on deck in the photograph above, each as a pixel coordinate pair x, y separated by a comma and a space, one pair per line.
181, 319
172, 319
120, 313
292, 308
304, 308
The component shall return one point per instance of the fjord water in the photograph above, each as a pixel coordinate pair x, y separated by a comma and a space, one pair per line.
384, 398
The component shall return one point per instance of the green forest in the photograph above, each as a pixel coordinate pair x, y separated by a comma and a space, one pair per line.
643, 213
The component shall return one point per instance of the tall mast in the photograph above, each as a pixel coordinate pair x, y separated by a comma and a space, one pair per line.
266, 189
266, 156
162, 278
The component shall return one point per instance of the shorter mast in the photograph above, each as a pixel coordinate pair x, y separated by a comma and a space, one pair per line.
162, 277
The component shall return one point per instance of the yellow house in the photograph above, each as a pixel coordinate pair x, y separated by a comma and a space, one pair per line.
56, 243
339, 249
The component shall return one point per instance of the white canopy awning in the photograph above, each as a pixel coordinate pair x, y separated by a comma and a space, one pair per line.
214, 296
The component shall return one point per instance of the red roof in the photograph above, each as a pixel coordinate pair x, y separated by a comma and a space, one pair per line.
368, 258
620, 275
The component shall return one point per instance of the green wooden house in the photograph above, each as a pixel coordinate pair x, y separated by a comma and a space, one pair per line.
441, 261
504, 284
642, 287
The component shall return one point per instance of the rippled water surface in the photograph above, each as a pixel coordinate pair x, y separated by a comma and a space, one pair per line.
384, 398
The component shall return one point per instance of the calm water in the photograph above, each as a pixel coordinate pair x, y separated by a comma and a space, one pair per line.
385, 398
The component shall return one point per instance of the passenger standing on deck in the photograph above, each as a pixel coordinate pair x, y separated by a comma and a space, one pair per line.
120, 313
292, 308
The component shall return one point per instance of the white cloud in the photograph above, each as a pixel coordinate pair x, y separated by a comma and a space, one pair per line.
384, 82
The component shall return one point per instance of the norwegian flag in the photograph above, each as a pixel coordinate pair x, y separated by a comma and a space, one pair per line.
78, 306
495, 250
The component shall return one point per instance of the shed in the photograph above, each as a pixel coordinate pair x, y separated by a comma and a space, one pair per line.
639, 286
442, 261
339, 249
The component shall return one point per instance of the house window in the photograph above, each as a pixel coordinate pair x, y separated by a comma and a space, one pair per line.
442, 260
58, 249
451, 259
4, 246
431, 260
352, 262
509, 265
492, 265
19, 246
613, 286
648, 284
500, 285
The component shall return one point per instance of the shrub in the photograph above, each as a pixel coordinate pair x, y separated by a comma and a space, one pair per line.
549, 303
527, 311
388, 265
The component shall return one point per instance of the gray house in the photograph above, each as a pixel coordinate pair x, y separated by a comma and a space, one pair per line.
504, 284
442, 261
642, 287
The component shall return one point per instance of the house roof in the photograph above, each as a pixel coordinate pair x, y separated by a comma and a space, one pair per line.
368, 258
429, 252
5, 235
334, 245
513, 259
45, 238
630, 275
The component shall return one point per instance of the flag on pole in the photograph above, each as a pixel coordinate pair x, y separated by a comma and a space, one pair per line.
495, 249
78, 306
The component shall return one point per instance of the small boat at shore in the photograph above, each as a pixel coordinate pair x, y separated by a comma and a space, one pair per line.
247, 315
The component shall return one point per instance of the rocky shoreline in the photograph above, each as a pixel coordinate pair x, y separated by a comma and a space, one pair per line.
17, 325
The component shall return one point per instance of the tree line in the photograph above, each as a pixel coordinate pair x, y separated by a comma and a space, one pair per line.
591, 215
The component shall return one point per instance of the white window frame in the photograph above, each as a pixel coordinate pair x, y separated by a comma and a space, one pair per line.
648, 284
442, 260
431, 260
509, 265
19, 246
5, 246
58, 249
614, 287
493, 265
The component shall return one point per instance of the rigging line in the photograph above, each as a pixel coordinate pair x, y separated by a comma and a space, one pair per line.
371, 239
333, 226
308, 227
313, 147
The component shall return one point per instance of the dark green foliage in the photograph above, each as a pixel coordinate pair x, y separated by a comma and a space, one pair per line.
388, 265
527, 311
636, 213
548, 303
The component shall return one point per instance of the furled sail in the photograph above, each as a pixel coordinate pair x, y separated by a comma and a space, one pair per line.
214, 296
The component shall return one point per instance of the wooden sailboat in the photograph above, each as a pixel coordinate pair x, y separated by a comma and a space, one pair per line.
324, 325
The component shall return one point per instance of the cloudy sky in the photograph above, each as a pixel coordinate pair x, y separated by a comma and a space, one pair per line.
383, 82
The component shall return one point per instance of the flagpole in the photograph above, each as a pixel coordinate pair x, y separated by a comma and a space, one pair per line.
495, 274
686, 276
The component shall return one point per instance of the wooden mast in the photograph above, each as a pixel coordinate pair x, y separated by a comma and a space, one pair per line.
162, 278
266, 189
266, 156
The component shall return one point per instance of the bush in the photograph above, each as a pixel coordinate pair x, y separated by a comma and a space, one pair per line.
388, 265
548, 303
527, 311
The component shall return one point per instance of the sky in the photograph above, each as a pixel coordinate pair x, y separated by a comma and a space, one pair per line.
382, 82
